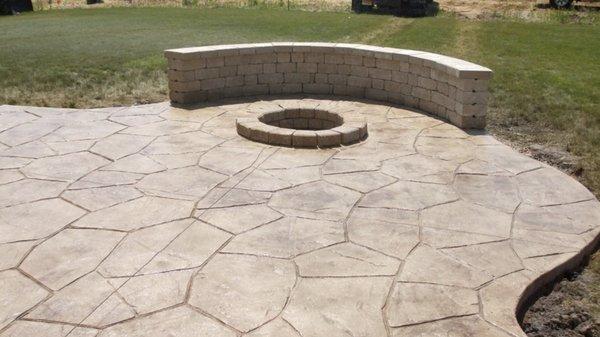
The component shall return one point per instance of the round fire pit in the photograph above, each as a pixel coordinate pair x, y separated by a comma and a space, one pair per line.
308, 128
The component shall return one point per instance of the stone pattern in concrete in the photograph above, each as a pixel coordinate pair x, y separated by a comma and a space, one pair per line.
159, 221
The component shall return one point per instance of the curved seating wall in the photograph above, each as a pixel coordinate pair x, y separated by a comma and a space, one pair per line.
440, 85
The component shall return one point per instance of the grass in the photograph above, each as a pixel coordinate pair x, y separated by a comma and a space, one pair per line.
81, 58
546, 88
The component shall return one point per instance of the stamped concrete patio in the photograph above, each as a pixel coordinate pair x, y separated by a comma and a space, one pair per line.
154, 221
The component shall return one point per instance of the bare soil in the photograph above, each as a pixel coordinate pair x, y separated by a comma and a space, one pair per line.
571, 307
531, 10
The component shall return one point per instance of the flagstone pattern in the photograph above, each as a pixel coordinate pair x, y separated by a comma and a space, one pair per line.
160, 221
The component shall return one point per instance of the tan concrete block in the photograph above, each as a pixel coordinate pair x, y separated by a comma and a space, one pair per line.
300, 123
469, 84
334, 58
235, 60
269, 68
292, 113
317, 88
214, 62
369, 62
234, 81
292, 78
415, 60
413, 79
260, 132
400, 76
321, 78
348, 134
337, 79
421, 93
467, 122
284, 57
258, 89
250, 79
360, 125
304, 138
428, 106
327, 68
439, 76
181, 76
377, 84
286, 67
213, 83
191, 64
207, 73
344, 90
297, 57
306, 113
315, 124
419, 70
470, 109
469, 97
344, 69
314, 58
306, 67
227, 71
442, 100
243, 126
232, 92
249, 69
291, 88
262, 58
399, 98
281, 136
270, 117
270, 78
359, 71
287, 123
382, 74
376, 94
426, 83
350, 59
443, 88
359, 81
396, 87
328, 138
387, 64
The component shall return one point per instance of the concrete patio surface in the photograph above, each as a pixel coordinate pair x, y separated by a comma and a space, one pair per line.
156, 221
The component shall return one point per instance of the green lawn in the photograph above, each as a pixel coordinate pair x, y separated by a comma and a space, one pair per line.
546, 88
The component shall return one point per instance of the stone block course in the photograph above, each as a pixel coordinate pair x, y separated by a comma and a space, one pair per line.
440, 85
303, 127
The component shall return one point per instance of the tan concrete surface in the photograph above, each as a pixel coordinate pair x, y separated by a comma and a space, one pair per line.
159, 221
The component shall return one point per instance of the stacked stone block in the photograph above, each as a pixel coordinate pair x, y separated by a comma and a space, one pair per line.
443, 86
308, 128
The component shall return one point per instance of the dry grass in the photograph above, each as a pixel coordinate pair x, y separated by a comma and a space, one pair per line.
312, 5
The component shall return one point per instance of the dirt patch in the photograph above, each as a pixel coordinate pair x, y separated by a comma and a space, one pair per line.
571, 308
531, 10
556, 157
